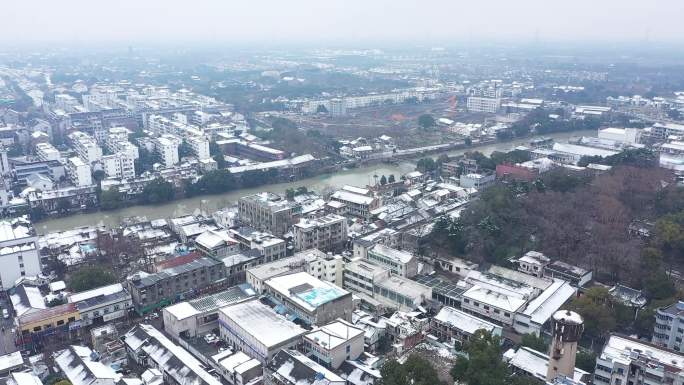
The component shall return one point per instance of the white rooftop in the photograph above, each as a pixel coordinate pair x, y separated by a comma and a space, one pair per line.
334, 334
263, 322
394, 254
306, 290
103, 290
463, 321
347, 196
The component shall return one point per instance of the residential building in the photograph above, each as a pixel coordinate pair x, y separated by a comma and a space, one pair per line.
80, 366
200, 146
327, 233
626, 360
325, 267
376, 286
668, 330
358, 205
190, 319
454, 325
477, 181
258, 330
41, 323
309, 299
151, 291
47, 152
290, 367
19, 257
216, 243
483, 104
527, 361
270, 247
398, 262
166, 148
237, 368
86, 147
149, 347
103, 304
79, 172
533, 263
267, 211
119, 166
577, 276
332, 344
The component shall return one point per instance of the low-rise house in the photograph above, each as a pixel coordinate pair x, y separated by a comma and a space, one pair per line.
577, 276
190, 319
216, 243
290, 367
454, 325
80, 366
238, 368
103, 304
530, 362
533, 263
332, 344
149, 347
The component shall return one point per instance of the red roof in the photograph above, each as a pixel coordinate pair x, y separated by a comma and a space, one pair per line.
177, 261
46, 314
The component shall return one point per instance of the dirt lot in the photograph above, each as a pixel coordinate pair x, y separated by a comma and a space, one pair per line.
397, 121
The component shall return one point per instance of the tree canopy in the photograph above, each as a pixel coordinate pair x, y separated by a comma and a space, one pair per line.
415, 371
426, 121
158, 191
90, 277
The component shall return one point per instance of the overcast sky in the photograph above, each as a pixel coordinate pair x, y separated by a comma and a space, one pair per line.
339, 21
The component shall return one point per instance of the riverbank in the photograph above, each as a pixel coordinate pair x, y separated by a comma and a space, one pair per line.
359, 176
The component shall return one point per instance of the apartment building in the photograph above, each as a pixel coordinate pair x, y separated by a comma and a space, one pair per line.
20, 251
79, 172
483, 104
86, 147
47, 152
267, 211
151, 291
327, 233
398, 262
119, 166
668, 330
358, 201
626, 361
166, 148
200, 146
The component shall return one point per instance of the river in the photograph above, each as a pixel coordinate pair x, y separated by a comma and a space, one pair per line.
358, 176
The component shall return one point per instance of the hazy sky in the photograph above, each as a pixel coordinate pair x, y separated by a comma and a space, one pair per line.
341, 21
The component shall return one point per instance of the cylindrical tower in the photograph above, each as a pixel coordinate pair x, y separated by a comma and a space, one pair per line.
567, 330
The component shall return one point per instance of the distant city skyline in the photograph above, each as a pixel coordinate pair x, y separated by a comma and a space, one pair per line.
339, 22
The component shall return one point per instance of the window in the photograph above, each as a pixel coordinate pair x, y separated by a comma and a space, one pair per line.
507, 315
60, 322
348, 350
36, 329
